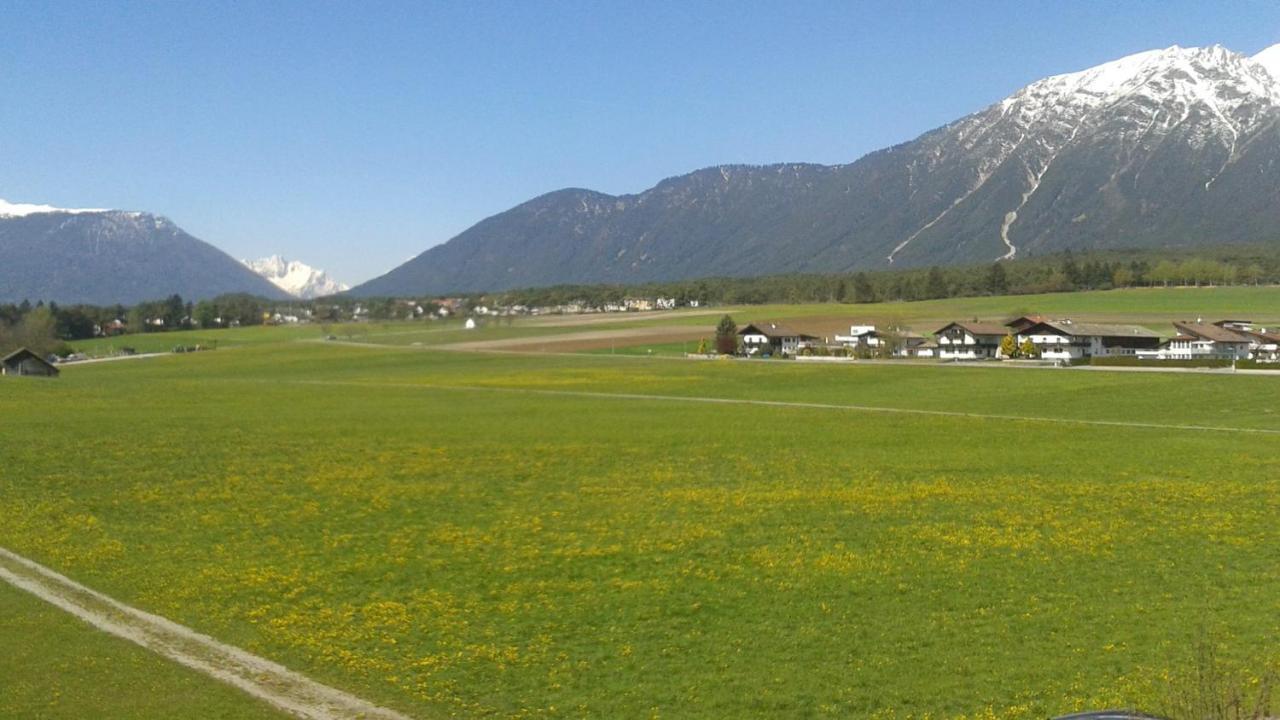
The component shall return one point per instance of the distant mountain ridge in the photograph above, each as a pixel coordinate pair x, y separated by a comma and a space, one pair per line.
1167, 148
296, 278
107, 257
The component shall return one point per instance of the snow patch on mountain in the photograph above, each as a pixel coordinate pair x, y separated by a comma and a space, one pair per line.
8, 209
1270, 59
296, 278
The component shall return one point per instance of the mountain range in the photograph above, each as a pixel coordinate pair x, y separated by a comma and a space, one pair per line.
105, 257
1171, 148
1167, 148
296, 278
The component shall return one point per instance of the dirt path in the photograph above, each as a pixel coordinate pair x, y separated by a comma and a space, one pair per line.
277, 685
588, 340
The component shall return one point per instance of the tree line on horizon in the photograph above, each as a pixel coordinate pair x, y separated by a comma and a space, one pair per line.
45, 327
1065, 272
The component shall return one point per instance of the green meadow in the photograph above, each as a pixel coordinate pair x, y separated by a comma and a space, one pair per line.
595, 535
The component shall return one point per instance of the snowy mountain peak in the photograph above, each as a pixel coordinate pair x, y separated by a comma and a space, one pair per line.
1270, 59
296, 278
8, 209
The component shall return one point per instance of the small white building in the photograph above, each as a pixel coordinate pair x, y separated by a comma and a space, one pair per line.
470, 324
864, 336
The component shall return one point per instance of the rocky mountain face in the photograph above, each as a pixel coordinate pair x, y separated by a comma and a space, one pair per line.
106, 257
296, 278
1166, 148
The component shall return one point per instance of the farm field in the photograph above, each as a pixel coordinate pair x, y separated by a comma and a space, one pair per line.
460, 534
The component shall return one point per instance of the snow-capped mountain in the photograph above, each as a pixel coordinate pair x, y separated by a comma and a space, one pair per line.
296, 278
1171, 147
107, 257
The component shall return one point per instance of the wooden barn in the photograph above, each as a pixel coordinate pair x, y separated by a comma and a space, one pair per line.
24, 362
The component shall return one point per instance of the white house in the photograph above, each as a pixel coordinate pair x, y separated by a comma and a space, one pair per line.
769, 338
1069, 340
667, 303
1263, 346
470, 324
1215, 341
969, 340
1202, 341
860, 336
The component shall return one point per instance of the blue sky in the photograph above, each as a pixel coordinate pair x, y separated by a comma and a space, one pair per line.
355, 135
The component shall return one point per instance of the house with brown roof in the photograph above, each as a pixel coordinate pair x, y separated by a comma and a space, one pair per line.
772, 339
967, 340
1019, 324
1070, 340
24, 362
1207, 340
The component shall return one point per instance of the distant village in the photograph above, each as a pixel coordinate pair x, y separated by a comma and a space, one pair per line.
1029, 337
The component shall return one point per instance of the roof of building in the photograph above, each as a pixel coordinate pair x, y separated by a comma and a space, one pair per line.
976, 328
21, 354
1209, 331
1025, 320
1079, 329
770, 330
1262, 335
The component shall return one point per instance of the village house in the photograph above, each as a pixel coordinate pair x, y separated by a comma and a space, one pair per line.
915, 345
861, 336
1069, 340
971, 340
1214, 341
1263, 346
772, 339
24, 362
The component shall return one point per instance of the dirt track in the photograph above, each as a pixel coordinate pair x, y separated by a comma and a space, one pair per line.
284, 689
588, 340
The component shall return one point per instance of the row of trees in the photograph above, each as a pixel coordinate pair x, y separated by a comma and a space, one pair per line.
35, 329
1058, 273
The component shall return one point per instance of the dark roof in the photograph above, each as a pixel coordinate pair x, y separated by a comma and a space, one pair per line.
771, 330
976, 328
21, 354
1079, 329
1209, 331
1025, 320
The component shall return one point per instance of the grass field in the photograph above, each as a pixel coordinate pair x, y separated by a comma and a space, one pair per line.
53, 666
461, 534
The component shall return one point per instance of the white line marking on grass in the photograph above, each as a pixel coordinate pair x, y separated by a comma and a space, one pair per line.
257, 676
796, 404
